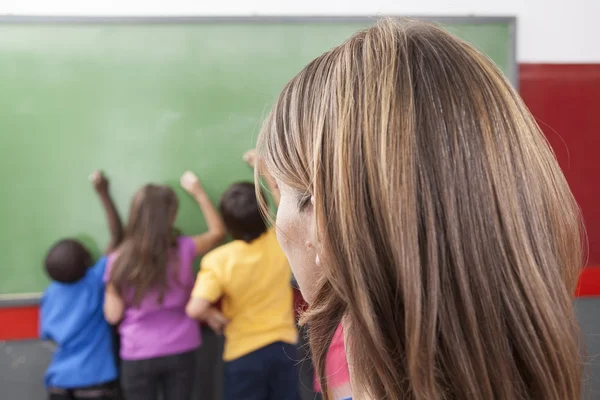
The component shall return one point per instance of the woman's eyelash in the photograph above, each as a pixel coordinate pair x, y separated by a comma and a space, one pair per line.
303, 201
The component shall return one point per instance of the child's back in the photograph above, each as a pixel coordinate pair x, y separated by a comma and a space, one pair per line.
71, 316
149, 283
252, 277
257, 296
156, 328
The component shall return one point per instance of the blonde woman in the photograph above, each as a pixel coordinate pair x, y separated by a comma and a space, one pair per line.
423, 209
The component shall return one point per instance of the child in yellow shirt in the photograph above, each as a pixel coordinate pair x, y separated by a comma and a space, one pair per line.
252, 277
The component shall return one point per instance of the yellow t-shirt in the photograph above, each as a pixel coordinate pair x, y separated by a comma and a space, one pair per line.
253, 280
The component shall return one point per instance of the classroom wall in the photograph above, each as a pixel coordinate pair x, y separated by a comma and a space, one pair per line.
549, 30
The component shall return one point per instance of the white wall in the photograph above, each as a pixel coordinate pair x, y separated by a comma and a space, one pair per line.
549, 31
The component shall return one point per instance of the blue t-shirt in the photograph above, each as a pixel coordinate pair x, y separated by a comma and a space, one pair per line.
71, 316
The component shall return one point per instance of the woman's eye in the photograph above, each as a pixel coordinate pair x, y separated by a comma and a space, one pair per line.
303, 201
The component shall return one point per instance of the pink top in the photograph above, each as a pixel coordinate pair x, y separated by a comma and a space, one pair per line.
337, 365
155, 329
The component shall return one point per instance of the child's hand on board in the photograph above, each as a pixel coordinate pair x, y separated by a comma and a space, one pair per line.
250, 157
99, 181
191, 183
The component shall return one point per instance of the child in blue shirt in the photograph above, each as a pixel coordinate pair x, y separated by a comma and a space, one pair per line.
83, 365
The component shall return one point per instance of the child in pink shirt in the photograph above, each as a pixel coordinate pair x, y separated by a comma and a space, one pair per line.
149, 280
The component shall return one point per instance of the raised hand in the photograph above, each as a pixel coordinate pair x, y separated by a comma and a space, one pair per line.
250, 157
99, 181
191, 183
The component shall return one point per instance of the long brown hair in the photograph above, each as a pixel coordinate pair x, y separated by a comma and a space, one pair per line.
450, 241
149, 238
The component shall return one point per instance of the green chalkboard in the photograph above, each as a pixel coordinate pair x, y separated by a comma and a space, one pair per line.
143, 100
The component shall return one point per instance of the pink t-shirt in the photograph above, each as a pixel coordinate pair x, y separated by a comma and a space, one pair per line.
155, 329
337, 365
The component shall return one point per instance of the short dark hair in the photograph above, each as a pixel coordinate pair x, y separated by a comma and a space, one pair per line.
67, 261
241, 212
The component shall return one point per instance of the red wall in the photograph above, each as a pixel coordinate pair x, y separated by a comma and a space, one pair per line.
565, 100
19, 323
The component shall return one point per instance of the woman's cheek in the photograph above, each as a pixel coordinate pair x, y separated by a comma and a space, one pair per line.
293, 234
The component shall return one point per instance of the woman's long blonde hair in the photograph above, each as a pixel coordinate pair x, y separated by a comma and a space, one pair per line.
450, 241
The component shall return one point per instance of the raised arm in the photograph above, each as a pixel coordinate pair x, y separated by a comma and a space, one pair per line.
251, 159
113, 219
216, 228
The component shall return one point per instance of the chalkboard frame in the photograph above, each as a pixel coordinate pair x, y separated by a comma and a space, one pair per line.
29, 299
511, 21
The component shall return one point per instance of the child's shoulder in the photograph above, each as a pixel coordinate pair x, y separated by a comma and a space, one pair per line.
96, 271
60, 293
50, 290
184, 241
226, 251
270, 237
